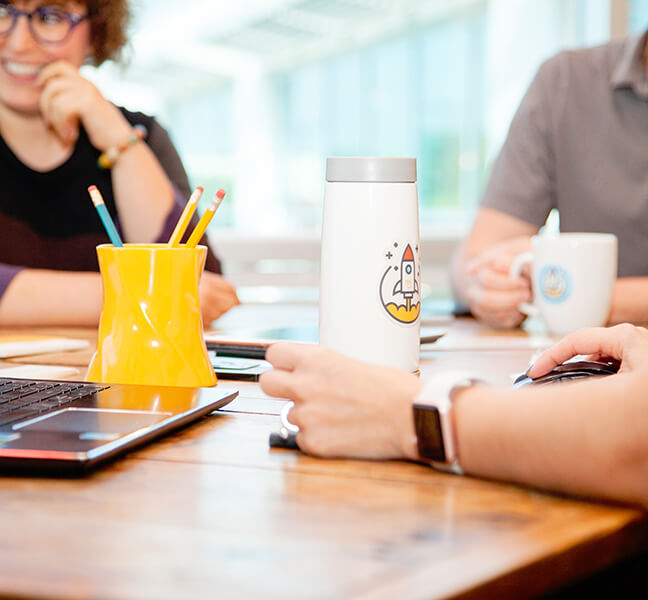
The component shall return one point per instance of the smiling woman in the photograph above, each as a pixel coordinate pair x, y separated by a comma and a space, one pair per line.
54, 125
51, 23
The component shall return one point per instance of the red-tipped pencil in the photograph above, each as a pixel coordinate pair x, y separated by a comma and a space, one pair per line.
200, 229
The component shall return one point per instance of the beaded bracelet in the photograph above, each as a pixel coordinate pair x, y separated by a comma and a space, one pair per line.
108, 158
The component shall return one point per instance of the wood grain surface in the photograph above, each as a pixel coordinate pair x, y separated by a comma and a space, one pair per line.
212, 512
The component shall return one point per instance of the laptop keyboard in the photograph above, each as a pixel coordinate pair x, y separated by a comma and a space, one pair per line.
22, 398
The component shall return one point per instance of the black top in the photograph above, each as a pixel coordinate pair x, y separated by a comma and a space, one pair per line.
47, 220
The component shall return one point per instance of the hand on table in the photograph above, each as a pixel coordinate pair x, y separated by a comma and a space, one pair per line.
343, 407
68, 98
493, 296
217, 296
624, 343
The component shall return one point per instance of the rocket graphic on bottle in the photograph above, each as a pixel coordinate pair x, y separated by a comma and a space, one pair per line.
407, 285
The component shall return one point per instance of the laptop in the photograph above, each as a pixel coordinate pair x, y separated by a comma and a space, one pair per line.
69, 427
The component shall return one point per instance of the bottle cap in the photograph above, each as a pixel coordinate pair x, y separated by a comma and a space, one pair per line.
370, 169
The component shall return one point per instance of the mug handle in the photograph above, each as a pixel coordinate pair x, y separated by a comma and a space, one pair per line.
526, 308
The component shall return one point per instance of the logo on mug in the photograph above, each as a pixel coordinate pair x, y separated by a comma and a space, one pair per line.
399, 286
555, 283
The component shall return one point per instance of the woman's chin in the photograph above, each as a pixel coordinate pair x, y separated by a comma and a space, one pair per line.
23, 106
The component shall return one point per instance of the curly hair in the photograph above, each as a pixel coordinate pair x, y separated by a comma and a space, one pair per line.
109, 20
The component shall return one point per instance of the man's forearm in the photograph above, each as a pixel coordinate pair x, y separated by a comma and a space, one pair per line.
589, 439
630, 300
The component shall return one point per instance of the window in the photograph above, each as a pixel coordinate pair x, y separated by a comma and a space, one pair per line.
637, 15
416, 94
257, 94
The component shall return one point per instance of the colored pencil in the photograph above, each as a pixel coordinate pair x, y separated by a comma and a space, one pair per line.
104, 215
200, 229
185, 217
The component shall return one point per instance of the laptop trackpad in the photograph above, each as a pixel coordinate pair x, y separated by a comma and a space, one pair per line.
93, 424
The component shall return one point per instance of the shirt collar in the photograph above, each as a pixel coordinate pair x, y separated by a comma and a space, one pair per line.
630, 70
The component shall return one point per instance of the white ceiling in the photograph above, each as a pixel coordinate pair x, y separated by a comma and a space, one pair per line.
274, 31
198, 43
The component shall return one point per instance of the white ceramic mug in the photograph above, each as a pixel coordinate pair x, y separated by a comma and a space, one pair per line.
572, 277
370, 268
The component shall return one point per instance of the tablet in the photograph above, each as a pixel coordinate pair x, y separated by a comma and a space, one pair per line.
253, 343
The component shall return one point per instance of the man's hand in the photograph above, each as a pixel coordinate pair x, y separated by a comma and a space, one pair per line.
493, 296
624, 343
217, 296
343, 407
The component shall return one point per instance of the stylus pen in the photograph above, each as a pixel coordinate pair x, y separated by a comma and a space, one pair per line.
200, 229
185, 217
104, 215
283, 439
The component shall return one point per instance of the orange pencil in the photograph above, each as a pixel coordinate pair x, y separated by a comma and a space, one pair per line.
200, 229
185, 217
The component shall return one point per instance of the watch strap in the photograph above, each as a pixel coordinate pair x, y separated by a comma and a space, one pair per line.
433, 410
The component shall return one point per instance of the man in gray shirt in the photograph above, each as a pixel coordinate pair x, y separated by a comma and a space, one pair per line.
578, 143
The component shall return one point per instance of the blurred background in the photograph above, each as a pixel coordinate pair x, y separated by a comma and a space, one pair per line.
257, 93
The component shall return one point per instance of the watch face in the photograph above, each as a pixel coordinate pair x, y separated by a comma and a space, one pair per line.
427, 422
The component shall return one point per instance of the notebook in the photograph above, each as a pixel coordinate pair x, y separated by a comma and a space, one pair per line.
40, 372
24, 345
69, 427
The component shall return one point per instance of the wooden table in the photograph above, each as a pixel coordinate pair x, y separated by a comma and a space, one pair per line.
212, 512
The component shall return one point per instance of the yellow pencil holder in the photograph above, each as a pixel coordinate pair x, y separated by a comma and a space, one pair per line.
151, 331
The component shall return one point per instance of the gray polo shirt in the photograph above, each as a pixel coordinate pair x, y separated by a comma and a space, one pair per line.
579, 143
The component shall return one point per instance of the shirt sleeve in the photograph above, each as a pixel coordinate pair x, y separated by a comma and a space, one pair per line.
7, 273
161, 145
522, 182
212, 263
164, 150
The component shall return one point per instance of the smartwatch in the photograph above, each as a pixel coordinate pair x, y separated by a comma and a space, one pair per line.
434, 420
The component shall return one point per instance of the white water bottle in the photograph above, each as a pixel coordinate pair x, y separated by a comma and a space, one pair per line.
370, 288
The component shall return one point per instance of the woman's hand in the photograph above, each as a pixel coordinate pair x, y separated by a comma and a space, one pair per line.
68, 98
624, 343
217, 296
343, 407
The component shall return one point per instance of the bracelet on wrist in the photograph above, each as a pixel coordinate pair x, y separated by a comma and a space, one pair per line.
108, 158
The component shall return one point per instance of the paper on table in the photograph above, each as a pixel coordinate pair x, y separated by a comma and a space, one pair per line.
24, 345
494, 342
39, 372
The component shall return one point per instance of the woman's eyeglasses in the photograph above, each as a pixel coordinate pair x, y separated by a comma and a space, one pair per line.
48, 24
